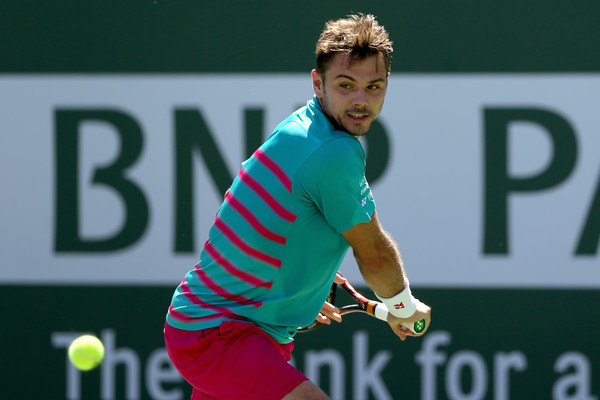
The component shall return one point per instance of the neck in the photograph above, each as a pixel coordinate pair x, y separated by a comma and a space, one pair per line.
332, 120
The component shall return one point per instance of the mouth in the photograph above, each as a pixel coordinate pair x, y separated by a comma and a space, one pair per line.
358, 117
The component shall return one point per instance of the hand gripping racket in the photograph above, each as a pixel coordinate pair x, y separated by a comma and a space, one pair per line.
363, 305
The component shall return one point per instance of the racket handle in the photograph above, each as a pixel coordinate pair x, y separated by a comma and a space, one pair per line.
381, 312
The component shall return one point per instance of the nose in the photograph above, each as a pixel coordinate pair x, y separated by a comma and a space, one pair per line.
360, 98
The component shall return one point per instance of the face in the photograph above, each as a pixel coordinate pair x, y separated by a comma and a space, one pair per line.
352, 97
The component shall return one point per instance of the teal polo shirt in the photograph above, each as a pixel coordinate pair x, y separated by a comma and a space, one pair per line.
276, 244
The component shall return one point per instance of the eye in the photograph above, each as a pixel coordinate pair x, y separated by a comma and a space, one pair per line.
373, 87
345, 85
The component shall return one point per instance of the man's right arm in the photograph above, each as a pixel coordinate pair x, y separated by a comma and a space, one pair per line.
381, 266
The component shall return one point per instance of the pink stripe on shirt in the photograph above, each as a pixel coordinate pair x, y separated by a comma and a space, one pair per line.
274, 168
266, 196
187, 292
178, 315
233, 270
212, 285
252, 220
243, 246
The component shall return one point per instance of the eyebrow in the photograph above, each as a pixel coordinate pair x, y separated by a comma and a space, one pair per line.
354, 80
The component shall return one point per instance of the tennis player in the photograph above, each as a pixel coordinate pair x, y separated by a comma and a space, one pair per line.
283, 229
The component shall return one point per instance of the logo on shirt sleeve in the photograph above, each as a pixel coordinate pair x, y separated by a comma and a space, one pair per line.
365, 189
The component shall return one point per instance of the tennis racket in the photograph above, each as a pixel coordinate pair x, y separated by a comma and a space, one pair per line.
363, 305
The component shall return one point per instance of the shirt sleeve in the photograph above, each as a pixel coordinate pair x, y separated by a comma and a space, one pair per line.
333, 178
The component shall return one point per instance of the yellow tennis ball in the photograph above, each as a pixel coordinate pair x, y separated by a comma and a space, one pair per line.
86, 352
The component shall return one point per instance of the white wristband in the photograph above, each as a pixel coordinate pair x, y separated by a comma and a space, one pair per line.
402, 305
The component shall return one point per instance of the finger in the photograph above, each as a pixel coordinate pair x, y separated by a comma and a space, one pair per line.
323, 319
402, 332
401, 335
336, 317
330, 308
331, 311
339, 279
408, 332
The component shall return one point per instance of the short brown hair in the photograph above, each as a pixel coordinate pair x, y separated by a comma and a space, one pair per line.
358, 35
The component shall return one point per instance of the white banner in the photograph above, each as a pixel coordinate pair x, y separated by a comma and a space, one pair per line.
433, 196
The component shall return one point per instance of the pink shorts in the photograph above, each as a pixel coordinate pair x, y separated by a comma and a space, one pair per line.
236, 360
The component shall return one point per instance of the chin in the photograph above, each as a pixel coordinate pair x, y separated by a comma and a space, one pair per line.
359, 131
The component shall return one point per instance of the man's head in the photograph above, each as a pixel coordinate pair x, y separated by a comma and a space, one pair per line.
353, 65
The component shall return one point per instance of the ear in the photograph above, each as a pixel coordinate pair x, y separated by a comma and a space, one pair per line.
317, 83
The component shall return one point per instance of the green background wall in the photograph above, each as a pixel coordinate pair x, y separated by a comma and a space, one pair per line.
279, 36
